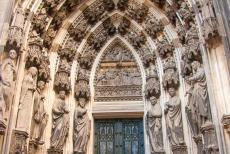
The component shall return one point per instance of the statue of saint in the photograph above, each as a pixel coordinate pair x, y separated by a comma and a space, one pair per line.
8, 76
174, 118
198, 95
60, 127
154, 126
26, 99
81, 128
40, 116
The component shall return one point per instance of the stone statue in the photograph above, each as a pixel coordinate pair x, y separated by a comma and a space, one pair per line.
81, 128
174, 118
40, 116
26, 99
154, 126
8, 75
60, 127
198, 95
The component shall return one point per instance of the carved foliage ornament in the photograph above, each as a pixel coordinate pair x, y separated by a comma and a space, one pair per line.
138, 14
82, 89
152, 85
165, 48
62, 81
171, 76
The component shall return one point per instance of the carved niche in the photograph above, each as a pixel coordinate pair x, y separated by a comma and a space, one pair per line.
117, 76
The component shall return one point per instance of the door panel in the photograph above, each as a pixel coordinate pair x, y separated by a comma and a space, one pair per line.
119, 136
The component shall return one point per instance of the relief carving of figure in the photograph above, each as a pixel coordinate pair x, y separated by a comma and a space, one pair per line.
60, 123
198, 95
81, 128
174, 118
40, 116
154, 126
26, 99
8, 75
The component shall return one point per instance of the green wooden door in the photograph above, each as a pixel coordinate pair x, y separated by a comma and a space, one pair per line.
119, 136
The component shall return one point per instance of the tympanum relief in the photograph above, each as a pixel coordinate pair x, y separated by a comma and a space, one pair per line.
118, 76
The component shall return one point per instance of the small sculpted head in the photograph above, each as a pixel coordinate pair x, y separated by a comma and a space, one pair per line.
82, 102
62, 94
172, 91
12, 54
195, 65
41, 85
33, 71
153, 100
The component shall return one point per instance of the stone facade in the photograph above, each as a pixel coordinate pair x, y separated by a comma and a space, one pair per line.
67, 64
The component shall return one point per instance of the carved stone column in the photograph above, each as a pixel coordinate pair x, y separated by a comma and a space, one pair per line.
210, 140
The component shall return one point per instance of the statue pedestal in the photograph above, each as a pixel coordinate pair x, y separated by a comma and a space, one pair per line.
210, 140
54, 151
34, 146
226, 123
2, 127
179, 149
199, 143
18, 142
2, 133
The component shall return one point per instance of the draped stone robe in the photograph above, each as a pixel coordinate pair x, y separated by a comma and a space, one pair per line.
81, 130
60, 125
198, 100
174, 121
154, 128
40, 117
26, 102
